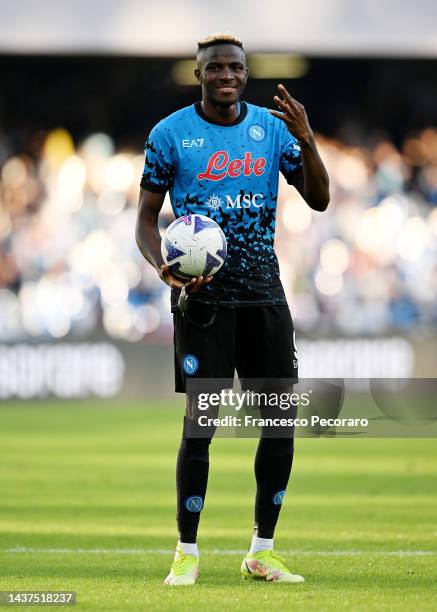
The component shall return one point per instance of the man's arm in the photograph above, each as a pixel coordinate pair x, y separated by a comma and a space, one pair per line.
149, 240
313, 182
146, 230
314, 201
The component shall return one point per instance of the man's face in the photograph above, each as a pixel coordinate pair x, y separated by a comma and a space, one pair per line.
223, 73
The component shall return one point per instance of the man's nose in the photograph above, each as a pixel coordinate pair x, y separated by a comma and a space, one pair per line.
226, 74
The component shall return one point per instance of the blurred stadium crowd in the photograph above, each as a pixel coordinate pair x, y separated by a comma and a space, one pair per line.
69, 264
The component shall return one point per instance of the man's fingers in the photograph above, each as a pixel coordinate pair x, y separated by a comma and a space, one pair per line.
277, 114
285, 107
198, 284
195, 284
201, 280
285, 93
292, 102
190, 284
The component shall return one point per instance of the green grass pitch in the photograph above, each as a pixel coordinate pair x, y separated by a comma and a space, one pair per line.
87, 504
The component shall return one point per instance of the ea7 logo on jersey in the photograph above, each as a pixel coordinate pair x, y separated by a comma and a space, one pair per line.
219, 166
187, 143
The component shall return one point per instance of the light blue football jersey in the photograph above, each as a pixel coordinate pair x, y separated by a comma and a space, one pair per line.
229, 173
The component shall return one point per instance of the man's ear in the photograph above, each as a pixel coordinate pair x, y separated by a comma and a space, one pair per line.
198, 75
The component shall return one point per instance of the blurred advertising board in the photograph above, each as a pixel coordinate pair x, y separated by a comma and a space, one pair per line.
103, 368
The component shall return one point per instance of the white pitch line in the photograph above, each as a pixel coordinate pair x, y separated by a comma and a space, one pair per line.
217, 551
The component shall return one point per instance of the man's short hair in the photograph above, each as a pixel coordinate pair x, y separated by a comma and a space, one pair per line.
218, 39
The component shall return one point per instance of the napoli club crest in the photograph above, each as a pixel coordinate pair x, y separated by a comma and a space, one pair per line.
194, 503
257, 133
190, 364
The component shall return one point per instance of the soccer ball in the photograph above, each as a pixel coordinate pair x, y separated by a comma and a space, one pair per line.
194, 245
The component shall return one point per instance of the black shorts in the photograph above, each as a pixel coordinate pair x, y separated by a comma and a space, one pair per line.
257, 341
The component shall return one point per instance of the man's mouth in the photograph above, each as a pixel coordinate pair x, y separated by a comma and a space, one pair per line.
227, 90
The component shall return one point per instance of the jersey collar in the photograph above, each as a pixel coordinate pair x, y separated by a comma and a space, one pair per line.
239, 119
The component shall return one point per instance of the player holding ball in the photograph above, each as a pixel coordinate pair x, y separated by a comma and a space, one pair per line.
221, 158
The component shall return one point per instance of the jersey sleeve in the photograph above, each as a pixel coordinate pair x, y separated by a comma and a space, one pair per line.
290, 161
159, 165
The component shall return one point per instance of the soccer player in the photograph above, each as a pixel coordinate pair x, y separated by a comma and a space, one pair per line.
221, 157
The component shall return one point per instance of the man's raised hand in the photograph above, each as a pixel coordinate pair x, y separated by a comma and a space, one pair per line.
293, 115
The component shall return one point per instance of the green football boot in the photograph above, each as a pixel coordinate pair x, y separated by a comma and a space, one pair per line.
184, 569
267, 565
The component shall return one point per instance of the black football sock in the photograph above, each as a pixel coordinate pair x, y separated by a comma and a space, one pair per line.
191, 482
273, 461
